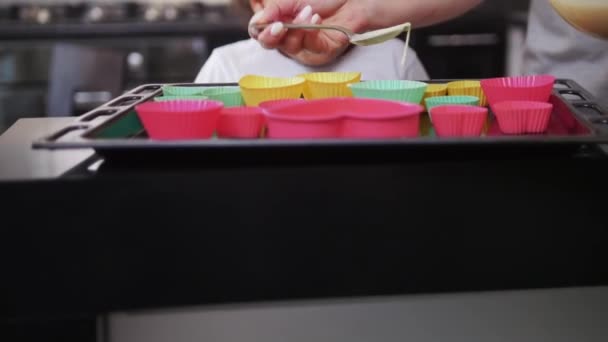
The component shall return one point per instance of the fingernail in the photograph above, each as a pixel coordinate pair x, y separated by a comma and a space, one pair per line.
305, 13
315, 19
276, 28
256, 17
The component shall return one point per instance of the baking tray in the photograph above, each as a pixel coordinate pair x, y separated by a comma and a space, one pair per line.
113, 130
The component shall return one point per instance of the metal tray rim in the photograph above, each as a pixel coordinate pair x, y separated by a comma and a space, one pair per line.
599, 130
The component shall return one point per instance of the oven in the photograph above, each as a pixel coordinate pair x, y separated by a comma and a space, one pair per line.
61, 59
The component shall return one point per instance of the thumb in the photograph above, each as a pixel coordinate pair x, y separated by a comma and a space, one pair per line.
281, 10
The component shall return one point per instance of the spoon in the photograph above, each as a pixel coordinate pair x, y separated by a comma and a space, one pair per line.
361, 39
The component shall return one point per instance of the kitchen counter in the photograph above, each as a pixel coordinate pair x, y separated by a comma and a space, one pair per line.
560, 315
92, 242
18, 162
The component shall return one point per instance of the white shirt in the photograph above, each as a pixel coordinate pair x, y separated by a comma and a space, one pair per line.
554, 47
227, 64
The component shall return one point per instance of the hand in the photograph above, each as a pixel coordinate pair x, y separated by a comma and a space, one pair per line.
310, 47
319, 47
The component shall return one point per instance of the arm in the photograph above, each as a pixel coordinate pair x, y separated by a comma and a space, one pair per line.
383, 13
320, 47
365, 15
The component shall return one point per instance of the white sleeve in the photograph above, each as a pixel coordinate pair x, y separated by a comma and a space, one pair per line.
414, 70
214, 71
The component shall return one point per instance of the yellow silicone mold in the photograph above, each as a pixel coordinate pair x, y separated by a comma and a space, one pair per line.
435, 90
321, 85
470, 88
256, 89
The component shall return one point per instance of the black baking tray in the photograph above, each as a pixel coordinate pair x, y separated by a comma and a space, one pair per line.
114, 131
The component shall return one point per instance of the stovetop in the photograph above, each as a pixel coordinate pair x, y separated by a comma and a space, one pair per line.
48, 13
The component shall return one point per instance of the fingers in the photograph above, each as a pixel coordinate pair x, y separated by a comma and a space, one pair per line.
319, 48
293, 40
304, 16
278, 10
295, 11
311, 47
272, 36
290, 42
253, 31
